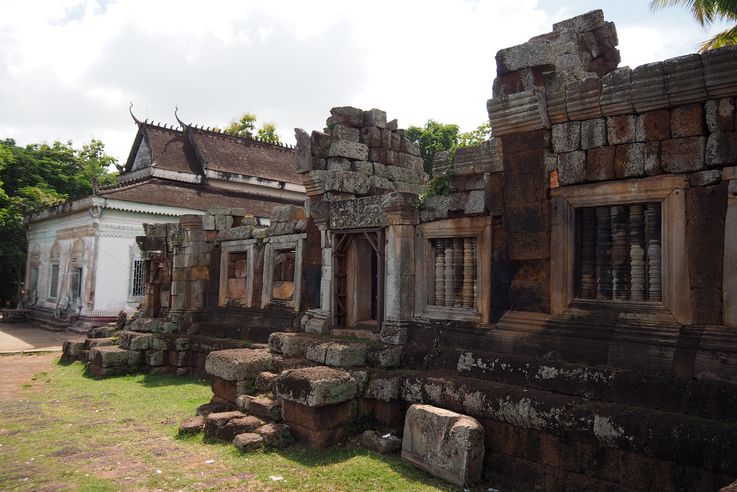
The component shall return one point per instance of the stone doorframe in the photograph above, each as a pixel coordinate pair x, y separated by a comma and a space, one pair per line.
478, 227
283, 243
670, 192
226, 249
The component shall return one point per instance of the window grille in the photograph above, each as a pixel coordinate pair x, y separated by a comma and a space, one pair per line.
138, 285
620, 252
455, 273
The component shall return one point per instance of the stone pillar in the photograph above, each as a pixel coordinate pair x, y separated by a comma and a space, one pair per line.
399, 285
603, 254
729, 277
619, 252
654, 255
439, 272
588, 253
319, 320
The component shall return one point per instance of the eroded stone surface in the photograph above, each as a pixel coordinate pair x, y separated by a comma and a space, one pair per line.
238, 364
316, 386
446, 444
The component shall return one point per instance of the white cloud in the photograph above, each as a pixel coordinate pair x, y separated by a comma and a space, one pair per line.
69, 67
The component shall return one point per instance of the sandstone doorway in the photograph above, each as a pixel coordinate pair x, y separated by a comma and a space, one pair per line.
358, 279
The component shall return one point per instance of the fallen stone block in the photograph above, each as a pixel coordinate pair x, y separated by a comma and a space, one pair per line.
275, 435
316, 386
381, 443
290, 344
325, 417
323, 438
238, 364
72, 348
446, 444
261, 407
226, 425
337, 354
192, 426
212, 407
248, 441
265, 381
109, 356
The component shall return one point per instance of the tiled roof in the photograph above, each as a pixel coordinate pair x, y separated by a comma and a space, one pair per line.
221, 152
170, 149
155, 191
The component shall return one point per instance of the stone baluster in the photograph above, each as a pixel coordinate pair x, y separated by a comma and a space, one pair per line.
620, 270
458, 272
467, 273
603, 254
475, 255
637, 254
449, 274
588, 253
652, 235
439, 272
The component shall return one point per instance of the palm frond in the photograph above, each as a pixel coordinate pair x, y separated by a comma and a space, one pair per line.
704, 11
724, 38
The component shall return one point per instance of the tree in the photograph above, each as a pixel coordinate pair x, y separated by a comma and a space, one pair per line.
267, 133
706, 12
245, 127
435, 137
38, 176
432, 138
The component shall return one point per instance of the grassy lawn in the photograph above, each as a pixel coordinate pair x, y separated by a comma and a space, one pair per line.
65, 431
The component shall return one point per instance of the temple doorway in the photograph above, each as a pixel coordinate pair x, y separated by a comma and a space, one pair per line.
358, 279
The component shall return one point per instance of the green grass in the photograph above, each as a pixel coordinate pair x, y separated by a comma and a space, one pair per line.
65, 431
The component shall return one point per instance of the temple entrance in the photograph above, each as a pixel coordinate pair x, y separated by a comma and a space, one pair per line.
358, 279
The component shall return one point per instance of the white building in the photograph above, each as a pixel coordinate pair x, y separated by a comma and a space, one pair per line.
83, 262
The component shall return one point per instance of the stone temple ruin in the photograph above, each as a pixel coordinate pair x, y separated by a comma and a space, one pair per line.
564, 316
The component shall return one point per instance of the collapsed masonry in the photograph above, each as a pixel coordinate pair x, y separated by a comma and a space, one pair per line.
570, 285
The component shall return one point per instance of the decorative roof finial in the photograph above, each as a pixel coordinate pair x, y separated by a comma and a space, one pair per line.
130, 110
176, 115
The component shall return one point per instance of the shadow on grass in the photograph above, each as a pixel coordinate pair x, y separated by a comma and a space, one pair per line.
147, 380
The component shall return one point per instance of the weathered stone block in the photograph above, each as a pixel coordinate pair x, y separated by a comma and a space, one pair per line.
351, 150
238, 364
653, 125
261, 407
582, 98
381, 443
275, 435
342, 132
290, 344
529, 245
581, 23
682, 155
109, 356
629, 161
566, 137
721, 149
593, 133
720, 114
616, 95
347, 182
687, 121
705, 178
720, 66
346, 115
621, 129
600, 164
648, 87
248, 441
446, 444
338, 164
374, 117
316, 386
684, 79
320, 145
652, 159
534, 53
192, 426
572, 167
303, 150
338, 354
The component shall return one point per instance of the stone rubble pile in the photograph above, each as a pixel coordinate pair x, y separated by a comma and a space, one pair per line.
358, 154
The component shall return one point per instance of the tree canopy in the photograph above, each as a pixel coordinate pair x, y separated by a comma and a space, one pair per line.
245, 127
38, 176
706, 12
434, 137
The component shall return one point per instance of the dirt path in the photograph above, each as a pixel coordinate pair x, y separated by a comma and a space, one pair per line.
16, 370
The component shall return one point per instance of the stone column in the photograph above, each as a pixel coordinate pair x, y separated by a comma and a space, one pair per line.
619, 252
439, 250
319, 320
603, 254
588, 253
654, 255
729, 277
399, 284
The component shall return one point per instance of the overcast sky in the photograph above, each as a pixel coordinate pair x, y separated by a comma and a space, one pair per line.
69, 68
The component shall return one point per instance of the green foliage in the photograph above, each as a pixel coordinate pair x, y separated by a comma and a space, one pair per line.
480, 134
436, 137
432, 138
38, 176
706, 12
119, 434
267, 133
245, 127
438, 185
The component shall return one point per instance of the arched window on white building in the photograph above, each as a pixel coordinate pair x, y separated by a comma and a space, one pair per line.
137, 283
54, 271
